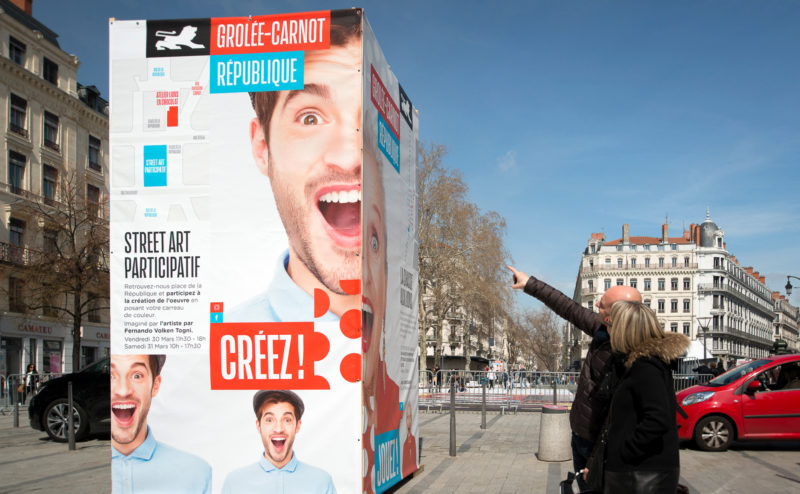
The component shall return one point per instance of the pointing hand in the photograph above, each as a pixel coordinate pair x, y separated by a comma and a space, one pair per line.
519, 280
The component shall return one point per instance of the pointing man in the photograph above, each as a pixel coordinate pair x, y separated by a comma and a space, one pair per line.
588, 409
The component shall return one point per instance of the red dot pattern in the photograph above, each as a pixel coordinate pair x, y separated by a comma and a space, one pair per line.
321, 302
351, 367
351, 287
350, 323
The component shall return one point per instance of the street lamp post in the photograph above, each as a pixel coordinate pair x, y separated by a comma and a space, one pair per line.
703, 323
788, 286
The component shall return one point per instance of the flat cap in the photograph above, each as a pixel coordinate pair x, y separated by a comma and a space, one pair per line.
279, 396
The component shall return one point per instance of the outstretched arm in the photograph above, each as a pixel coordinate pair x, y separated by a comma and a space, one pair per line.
584, 319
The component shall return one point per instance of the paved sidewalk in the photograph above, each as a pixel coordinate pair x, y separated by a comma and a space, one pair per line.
31, 462
502, 460
498, 460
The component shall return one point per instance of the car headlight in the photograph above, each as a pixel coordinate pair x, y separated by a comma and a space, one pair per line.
697, 398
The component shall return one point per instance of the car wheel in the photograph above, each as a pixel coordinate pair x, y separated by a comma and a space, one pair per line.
713, 433
56, 420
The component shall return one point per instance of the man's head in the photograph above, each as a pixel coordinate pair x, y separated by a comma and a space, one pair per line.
278, 415
135, 380
613, 295
308, 142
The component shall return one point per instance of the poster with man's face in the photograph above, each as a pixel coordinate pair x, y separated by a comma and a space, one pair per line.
263, 198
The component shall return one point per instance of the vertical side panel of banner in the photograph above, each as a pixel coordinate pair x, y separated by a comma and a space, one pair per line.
391, 370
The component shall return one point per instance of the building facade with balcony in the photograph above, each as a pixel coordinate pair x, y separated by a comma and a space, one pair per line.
54, 127
786, 322
692, 282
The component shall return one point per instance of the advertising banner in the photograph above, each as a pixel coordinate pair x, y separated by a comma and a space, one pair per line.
262, 195
390, 336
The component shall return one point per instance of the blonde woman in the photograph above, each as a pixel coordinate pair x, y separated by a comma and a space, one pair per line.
642, 451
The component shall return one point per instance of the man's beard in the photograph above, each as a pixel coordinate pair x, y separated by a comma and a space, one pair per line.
296, 221
287, 451
137, 427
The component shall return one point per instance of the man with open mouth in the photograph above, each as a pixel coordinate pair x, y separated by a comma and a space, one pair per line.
139, 463
308, 143
278, 420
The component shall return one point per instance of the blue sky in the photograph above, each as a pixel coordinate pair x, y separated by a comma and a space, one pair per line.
573, 117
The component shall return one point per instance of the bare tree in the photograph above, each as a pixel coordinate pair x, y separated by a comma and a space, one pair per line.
443, 213
545, 330
517, 340
482, 282
67, 276
461, 259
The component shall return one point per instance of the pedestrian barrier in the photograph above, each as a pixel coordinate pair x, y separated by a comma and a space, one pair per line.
18, 389
508, 391
683, 381
511, 391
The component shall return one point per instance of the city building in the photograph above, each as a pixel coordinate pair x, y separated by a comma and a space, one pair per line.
54, 127
786, 322
483, 344
692, 282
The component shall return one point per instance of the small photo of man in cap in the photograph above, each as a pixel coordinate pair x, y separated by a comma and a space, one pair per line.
278, 420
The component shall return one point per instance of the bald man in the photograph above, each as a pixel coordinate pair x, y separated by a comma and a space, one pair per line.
588, 409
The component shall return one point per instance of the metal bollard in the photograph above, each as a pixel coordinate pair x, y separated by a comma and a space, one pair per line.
452, 418
16, 415
70, 419
483, 406
555, 392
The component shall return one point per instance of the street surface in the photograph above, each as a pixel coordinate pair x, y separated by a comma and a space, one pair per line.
31, 462
500, 459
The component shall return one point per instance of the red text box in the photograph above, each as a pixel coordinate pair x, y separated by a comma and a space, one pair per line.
266, 355
270, 33
384, 102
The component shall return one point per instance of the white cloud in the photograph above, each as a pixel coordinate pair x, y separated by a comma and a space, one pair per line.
508, 161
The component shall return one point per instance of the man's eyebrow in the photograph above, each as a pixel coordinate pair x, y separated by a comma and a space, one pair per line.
320, 90
140, 364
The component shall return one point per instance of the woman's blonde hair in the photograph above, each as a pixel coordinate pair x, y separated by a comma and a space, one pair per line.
632, 323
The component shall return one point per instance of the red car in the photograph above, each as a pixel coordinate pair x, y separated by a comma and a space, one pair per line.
758, 400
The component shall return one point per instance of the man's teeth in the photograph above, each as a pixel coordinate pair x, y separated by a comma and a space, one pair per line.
342, 196
127, 406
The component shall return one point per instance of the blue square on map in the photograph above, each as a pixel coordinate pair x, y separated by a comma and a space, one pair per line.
155, 166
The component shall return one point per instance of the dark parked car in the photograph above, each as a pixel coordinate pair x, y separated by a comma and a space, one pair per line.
91, 396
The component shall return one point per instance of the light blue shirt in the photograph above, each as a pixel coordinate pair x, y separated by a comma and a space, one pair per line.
294, 478
282, 301
155, 468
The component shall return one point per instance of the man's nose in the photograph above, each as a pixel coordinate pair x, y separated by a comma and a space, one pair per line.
120, 388
343, 149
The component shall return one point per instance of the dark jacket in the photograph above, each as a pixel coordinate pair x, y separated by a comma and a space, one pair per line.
643, 435
703, 369
588, 410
